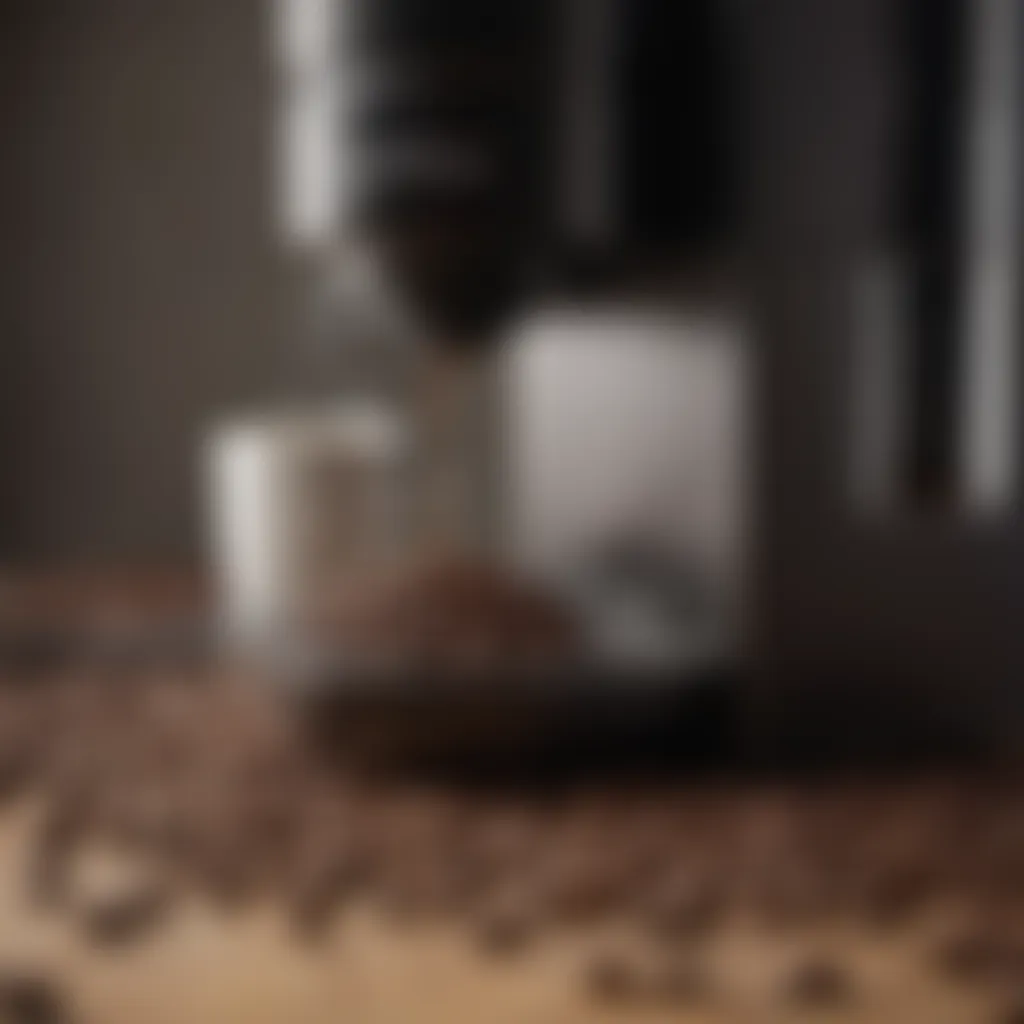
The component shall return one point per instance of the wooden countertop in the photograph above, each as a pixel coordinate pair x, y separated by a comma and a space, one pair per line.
206, 965
209, 967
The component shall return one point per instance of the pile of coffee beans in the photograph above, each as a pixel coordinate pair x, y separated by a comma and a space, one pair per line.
451, 615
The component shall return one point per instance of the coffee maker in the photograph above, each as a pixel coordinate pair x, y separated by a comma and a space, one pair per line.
752, 272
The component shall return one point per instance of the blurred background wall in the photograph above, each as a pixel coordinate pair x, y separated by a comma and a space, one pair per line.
145, 292
141, 289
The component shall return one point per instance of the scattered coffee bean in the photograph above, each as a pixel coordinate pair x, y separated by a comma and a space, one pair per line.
818, 982
226, 875
683, 982
798, 895
30, 652
126, 916
15, 772
892, 896
323, 883
684, 907
614, 978
64, 826
30, 999
1011, 1013
579, 887
508, 923
979, 956
504, 933
48, 879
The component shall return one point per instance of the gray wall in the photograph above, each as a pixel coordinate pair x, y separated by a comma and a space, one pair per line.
141, 289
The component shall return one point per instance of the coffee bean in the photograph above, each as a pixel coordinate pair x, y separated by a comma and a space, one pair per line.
579, 886
224, 872
797, 895
501, 841
508, 921
614, 978
32, 651
505, 931
322, 884
30, 999
894, 895
818, 982
47, 883
1011, 1013
125, 917
15, 772
65, 825
312, 914
683, 982
979, 956
426, 882
683, 906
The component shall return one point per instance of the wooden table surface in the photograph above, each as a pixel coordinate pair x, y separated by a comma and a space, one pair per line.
213, 966
204, 966
208, 967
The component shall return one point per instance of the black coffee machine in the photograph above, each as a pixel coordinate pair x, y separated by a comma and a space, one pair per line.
839, 170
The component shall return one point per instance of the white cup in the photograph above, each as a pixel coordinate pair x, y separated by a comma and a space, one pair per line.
296, 502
